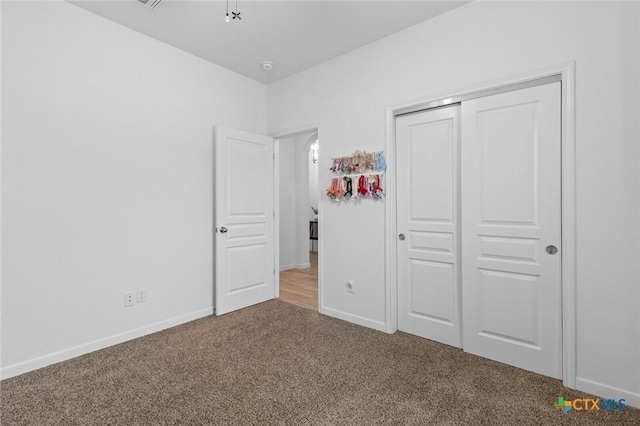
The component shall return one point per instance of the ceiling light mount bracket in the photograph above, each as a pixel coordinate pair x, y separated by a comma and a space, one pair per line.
267, 65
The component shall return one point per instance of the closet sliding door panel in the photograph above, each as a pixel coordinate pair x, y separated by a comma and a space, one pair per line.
511, 269
427, 218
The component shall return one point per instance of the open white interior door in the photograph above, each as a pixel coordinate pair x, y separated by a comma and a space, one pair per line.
244, 219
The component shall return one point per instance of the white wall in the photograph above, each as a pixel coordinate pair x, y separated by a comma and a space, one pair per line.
294, 202
106, 180
287, 204
302, 200
480, 42
314, 189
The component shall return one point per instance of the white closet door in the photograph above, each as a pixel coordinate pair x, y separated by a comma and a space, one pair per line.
511, 227
427, 219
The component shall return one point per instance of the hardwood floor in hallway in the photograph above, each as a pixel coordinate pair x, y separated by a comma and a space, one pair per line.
300, 286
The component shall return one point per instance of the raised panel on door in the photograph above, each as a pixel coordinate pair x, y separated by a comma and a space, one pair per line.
510, 213
427, 216
245, 225
247, 162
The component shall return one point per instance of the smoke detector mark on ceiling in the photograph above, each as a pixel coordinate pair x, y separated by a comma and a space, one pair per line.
151, 4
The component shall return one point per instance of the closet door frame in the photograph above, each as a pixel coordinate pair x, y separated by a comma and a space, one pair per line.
566, 74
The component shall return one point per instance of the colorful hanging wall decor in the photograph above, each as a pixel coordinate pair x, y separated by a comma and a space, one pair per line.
356, 178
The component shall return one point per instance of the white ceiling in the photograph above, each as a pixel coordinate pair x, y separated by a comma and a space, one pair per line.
294, 34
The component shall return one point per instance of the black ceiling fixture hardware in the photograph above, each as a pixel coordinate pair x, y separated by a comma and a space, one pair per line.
236, 14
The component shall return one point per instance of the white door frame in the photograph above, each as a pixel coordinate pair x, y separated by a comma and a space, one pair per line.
308, 128
566, 73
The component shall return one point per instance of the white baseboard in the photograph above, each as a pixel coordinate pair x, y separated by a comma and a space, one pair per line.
365, 322
85, 348
608, 392
295, 266
287, 267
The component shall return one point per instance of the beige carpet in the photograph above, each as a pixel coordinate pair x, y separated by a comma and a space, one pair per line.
276, 363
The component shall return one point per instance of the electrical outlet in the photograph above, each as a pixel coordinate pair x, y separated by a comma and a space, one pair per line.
129, 299
142, 295
351, 286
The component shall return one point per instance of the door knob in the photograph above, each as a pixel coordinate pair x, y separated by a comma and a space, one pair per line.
552, 249
223, 230
401, 237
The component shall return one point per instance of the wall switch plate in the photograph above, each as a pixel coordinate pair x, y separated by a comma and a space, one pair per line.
129, 299
142, 295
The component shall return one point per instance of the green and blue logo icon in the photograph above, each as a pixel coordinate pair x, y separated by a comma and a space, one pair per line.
563, 405
588, 404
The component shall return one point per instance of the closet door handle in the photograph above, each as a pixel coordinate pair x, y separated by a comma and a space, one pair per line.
223, 230
552, 249
401, 237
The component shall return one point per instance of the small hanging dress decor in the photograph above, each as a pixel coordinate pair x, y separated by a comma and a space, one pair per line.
360, 176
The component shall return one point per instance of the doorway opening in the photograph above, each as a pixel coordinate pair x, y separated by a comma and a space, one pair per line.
298, 218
